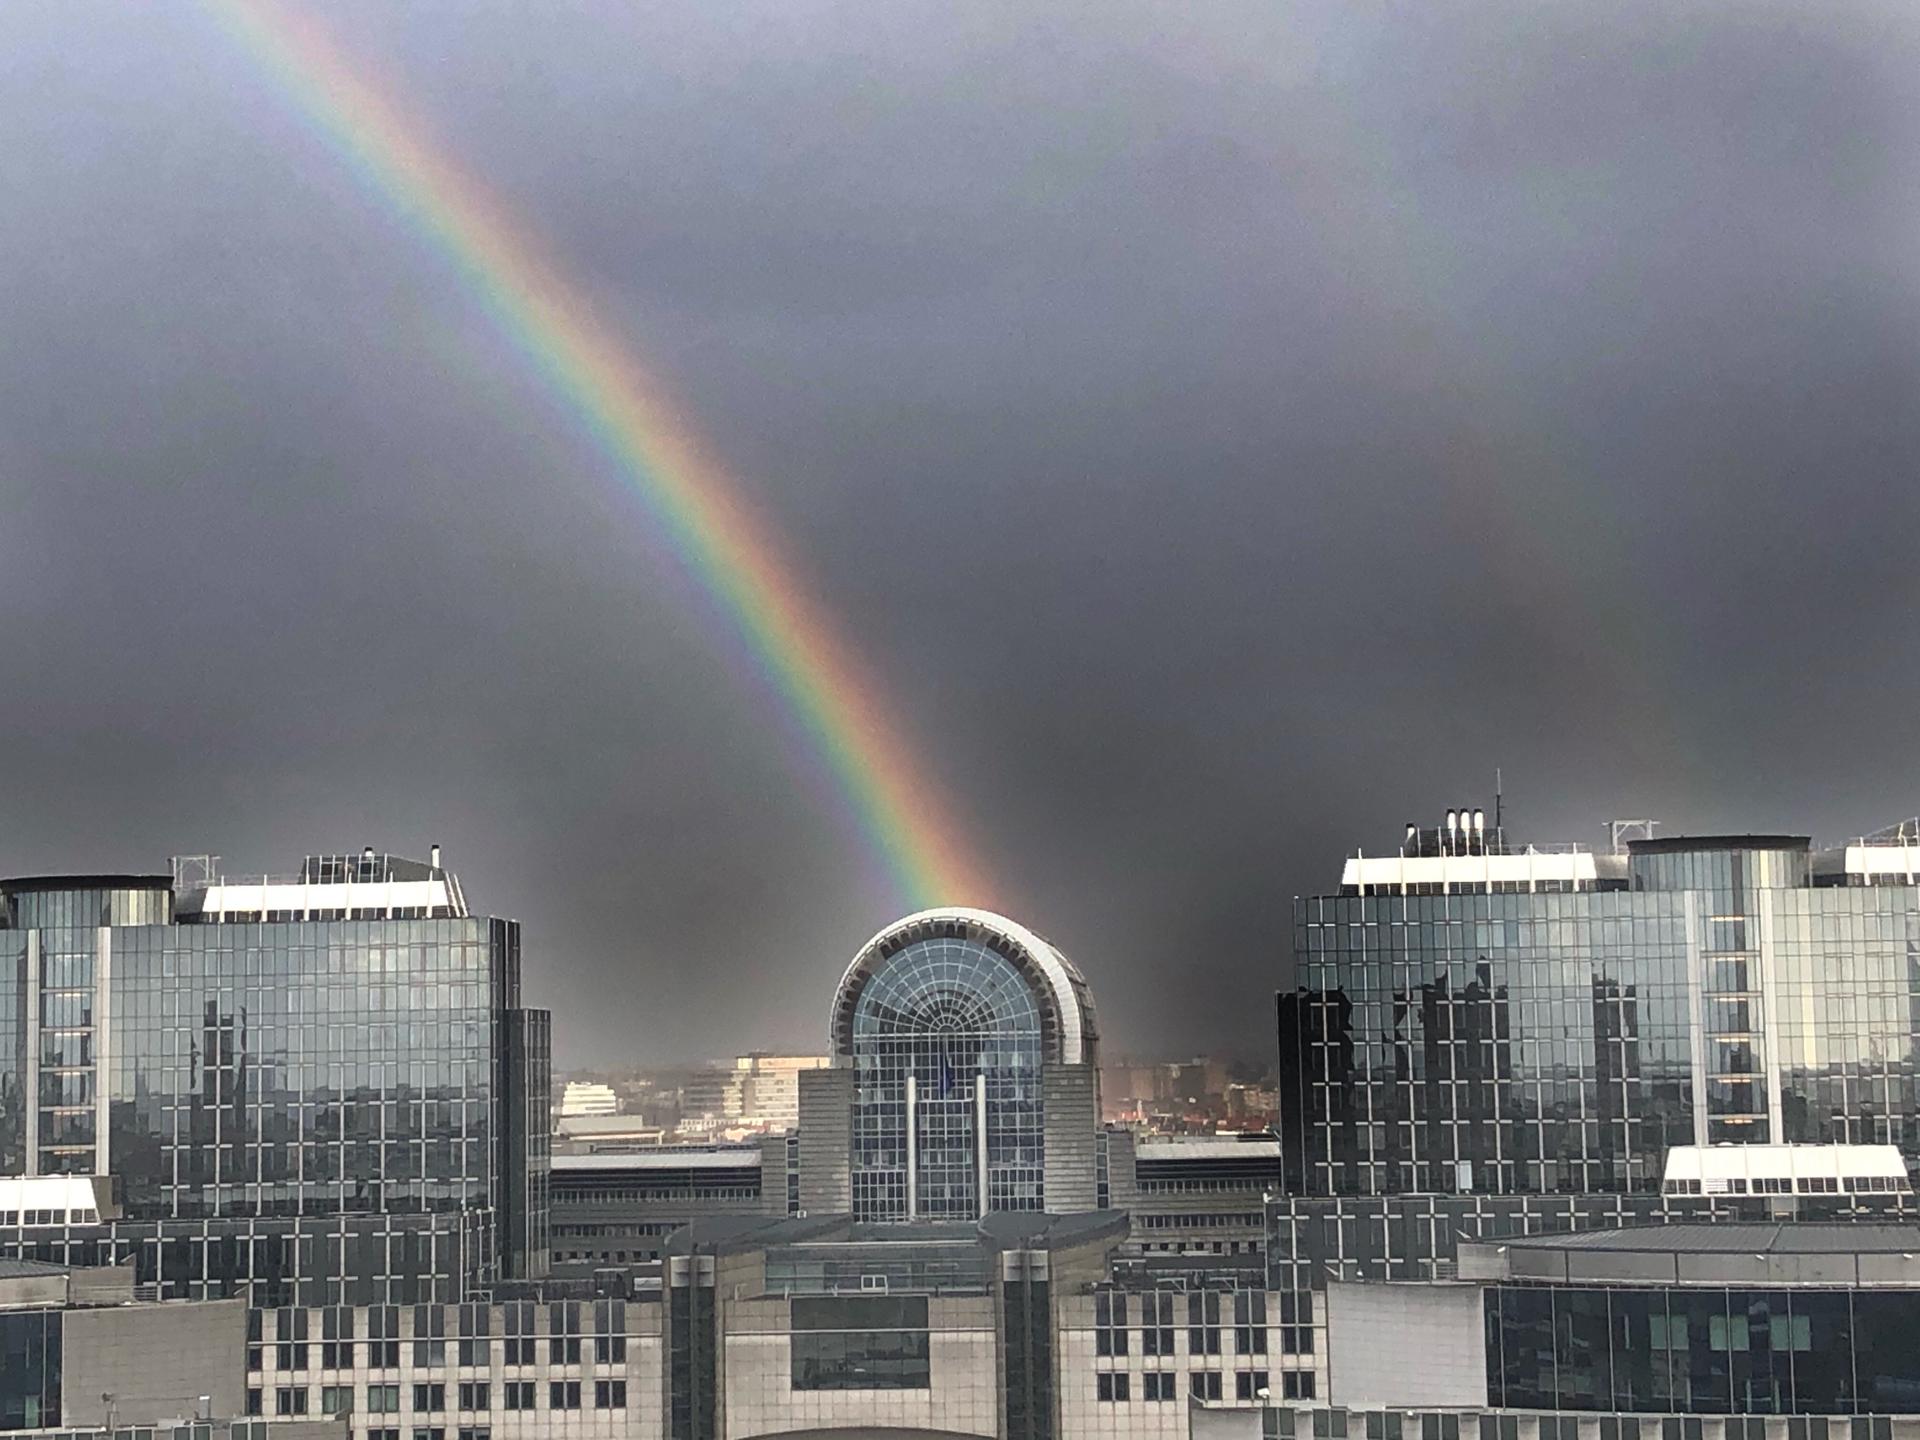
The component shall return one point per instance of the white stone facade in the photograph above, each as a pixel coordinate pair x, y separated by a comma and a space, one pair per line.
427, 1394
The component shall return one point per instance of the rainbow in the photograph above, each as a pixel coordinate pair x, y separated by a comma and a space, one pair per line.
718, 538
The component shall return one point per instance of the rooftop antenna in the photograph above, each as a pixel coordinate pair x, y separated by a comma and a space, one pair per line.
1498, 810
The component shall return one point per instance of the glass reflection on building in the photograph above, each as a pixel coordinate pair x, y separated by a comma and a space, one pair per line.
314, 1082
1703, 1350
1470, 1016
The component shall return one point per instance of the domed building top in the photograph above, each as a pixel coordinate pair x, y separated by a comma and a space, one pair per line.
960, 983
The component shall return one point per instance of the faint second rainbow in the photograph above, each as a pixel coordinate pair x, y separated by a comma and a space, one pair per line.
720, 541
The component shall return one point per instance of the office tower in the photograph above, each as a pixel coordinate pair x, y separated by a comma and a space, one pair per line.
324, 1084
1642, 1119
1472, 1016
964, 1077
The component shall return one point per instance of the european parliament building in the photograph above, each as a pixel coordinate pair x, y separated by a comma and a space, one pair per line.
964, 1078
321, 1088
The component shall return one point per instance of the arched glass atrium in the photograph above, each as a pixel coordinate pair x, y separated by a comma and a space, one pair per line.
947, 1019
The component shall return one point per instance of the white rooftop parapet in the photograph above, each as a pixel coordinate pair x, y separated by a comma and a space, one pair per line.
246, 897
1892, 862
51, 1200
665, 1158
1785, 1170
1529, 868
1205, 1147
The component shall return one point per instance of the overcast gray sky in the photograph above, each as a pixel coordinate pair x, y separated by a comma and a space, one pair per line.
1227, 431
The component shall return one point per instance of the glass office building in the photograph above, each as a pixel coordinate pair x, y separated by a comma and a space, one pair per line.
1730, 1318
1470, 1016
323, 1083
949, 1021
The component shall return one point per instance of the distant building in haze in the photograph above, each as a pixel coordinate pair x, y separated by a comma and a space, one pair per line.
584, 1097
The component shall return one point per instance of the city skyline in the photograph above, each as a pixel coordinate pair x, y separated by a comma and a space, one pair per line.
1219, 437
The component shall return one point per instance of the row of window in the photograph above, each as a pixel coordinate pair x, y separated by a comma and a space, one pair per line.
385, 1354
431, 1398
1111, 1314
1803, 1185
1116, 1387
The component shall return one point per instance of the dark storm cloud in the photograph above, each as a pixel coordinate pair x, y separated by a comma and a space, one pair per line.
1228, 430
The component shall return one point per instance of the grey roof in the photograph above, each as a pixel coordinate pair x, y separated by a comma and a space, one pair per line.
1000, 1230
28, 1269
1787, 1238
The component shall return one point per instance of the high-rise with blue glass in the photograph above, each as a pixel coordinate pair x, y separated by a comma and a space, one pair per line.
323, 1086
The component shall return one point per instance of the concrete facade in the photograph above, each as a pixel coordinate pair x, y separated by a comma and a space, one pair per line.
1393, 1346
156, 1361
1071, 1094
826, 1160
757, 1391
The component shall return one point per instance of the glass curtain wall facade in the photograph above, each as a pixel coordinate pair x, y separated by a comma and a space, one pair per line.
307, 1069
954, 1021
1493, 1039
1703, 1350
30, 1369
318, 1103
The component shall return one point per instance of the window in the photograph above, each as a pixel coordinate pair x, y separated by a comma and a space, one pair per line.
336, 1338
383, 1399
253, 1400
563, 1395
1159, 1385
290, 1400
518, 1320
430, 1398
473, 1395
1204, 1384
519, 1394
1250, 1322
1156, 1324
476, 1323
476, 1432
1297, 1385
290, 1348
1112, 1387
383, 1337
432, 1432
610, 1331
860, 1342
336, 1399
610, 1394
1296, 1323
1110, 1323
563, 1321
429, 1335
1203, 1323
1250, 1385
